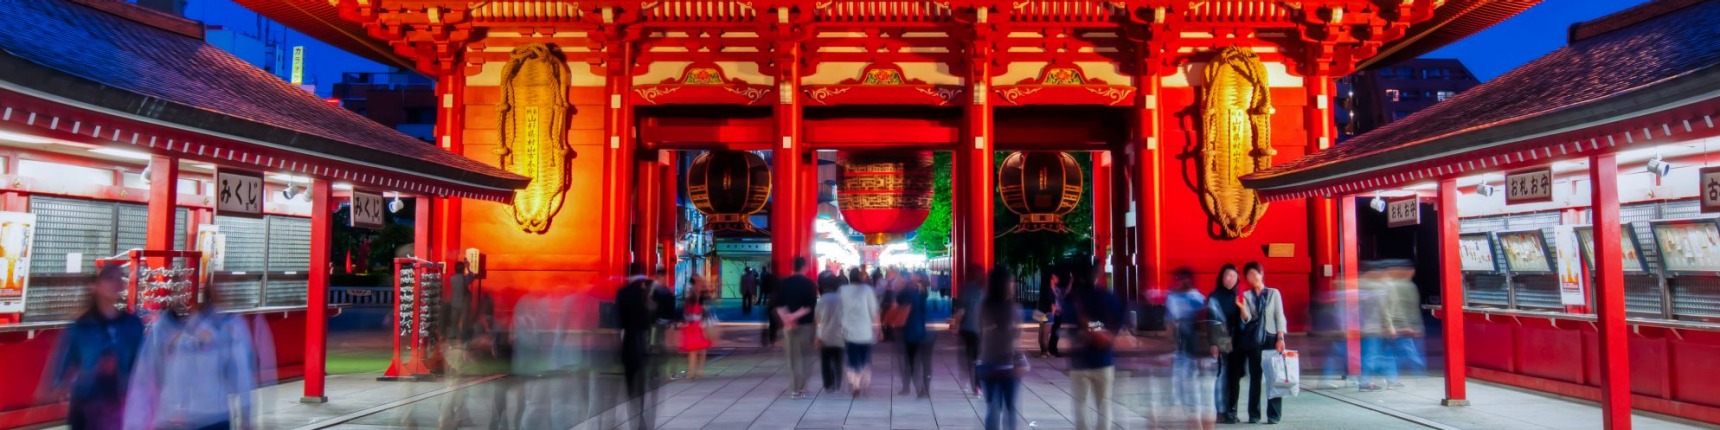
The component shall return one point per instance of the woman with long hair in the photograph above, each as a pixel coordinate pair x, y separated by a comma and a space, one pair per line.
1224, 318
693, 339
93, 361
1000, 363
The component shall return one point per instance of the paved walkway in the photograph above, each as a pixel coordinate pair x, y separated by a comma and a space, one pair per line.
746, 389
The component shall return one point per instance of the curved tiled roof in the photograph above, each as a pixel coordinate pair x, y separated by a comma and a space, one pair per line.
102, 56
1649, 62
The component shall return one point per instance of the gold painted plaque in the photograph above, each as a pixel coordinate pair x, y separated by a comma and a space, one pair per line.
533, 116
1236, 140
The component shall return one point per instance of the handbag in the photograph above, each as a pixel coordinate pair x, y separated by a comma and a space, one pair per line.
1253, 336
1218, 334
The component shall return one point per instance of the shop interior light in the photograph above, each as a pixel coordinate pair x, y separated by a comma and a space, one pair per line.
1659, 167
146, 171
396, 205
123, 153
1485, 190
1378, 203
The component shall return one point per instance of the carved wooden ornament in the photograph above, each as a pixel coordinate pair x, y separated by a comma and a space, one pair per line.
1236, 139
533, 116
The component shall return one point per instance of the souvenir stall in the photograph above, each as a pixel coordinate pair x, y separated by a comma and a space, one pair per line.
1578, 229
208, 193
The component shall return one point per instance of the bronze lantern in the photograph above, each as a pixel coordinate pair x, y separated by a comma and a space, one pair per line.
1041, 187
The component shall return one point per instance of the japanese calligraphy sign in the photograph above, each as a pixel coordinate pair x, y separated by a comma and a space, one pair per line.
367, 210
1403, 212
1710, 189
239, 193
1529, 186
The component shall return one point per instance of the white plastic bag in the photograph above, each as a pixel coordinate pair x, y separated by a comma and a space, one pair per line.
1283, 373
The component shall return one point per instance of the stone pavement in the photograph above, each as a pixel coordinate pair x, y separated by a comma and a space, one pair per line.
746, 388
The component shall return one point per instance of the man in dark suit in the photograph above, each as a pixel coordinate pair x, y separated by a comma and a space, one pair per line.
633, 302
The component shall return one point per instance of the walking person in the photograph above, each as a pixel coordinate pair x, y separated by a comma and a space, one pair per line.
767, 285
793, 305
965, 322
1224, 315
1094, 317
195, 372
1264, 325
1000, 364
1182, 309
1404, 301
633, 303
749, 290
859, 329
1379, 364
1052, 298
916, 341
694, 341
830, 337
93, 361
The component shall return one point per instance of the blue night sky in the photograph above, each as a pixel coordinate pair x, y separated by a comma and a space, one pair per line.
1488, 54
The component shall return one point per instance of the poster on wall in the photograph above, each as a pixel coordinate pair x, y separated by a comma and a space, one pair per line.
1525, 252
1570, 270
213, 246
17, 241
238, 193
1630, 250
367, 210
1475, 252
1688, 245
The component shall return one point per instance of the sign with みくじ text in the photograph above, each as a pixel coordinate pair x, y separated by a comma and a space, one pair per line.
239, 193
367, 210
1529, 186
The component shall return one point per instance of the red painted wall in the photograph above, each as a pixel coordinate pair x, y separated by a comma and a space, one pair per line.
1669, 371
1186, 240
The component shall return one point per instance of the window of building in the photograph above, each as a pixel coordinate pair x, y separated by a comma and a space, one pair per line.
1443, 95
1394, 95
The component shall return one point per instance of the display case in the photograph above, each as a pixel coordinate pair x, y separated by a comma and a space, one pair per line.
1525, 252
158, 281
1690, 246
418, 293
1475, 252
1633, 261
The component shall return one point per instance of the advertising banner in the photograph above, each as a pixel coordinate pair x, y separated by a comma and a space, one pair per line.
17, 238
1570, 267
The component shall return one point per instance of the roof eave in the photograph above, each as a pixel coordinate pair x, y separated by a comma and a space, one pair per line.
1695, 86
35, 77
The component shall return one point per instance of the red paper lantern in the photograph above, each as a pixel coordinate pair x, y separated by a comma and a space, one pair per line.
728, 187
884, 194
1041, 186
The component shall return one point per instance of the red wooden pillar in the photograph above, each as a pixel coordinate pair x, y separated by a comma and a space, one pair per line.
1121, 240
163, 196
1321, 210
645, 210
669, 211
787, 220
423, 224
452, 97
1609, 293
806, 232
316, 301
1451, 296
1149, 260
618, 193
1101, 196
1350, 296
979, 159
960, 273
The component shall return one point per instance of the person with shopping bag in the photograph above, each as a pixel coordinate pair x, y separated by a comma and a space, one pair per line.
1262, 331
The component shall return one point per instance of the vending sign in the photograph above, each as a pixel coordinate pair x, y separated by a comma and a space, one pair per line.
17, 238
367, 210
1570, 268
1529, 186
1710, 187
239, 193
1403, 212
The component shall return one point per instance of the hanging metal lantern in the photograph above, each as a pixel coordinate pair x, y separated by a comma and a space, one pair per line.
728, 187
1041, 187
884, 194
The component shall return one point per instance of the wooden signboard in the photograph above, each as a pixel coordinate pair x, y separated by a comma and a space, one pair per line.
239, 193
1529, 186
1709, 189
367, 210
1403, 212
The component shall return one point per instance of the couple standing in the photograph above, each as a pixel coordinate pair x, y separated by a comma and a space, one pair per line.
1254, 318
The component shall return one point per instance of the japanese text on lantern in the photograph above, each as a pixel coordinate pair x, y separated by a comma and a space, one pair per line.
1529, 186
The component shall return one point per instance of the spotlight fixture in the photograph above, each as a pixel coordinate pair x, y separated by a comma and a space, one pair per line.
394, 206
146, 171
1378, 203
1659, 167
1485, 190
290, 192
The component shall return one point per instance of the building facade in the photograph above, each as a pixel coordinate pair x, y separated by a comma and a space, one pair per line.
402, 100
1371, 98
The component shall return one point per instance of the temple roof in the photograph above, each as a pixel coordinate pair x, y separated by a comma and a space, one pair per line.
115, 56
1661, 54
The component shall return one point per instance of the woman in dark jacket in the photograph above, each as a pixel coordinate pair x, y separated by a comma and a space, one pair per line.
93, 361
1222, 309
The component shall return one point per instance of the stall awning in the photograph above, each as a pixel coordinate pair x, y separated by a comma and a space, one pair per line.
108, 72
1653, 68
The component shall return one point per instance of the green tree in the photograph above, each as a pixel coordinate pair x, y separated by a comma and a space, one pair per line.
933, 236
